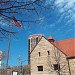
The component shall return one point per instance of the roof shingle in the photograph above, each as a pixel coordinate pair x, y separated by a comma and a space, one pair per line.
66, 46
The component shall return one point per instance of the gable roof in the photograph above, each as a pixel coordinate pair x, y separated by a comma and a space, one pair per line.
49, 42
36, 44
66, 46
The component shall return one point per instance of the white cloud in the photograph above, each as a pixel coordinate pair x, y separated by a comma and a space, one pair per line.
59, 1
47, 2
4, 22
66, 4
41, 19
69, 5
69, 30
67, 10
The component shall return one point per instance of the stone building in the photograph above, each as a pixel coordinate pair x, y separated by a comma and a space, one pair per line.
53, 58
32, 41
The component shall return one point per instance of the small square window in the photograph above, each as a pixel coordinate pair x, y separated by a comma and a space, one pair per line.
56, 66
40, 68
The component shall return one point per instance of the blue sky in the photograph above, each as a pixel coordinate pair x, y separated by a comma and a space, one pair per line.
58, 22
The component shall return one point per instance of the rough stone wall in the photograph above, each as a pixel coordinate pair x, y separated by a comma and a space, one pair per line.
46, 60
72, 66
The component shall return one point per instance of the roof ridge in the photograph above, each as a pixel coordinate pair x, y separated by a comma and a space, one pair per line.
65, 39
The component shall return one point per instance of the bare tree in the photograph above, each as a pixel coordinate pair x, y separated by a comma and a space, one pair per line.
57, 63
24, 11
2, 60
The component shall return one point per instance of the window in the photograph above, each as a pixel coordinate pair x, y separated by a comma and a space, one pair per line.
56, 66
14, 73
36, 40
40, 68
39, 53
48, 52
29, 44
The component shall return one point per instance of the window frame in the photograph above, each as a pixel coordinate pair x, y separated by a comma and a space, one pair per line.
40, 68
